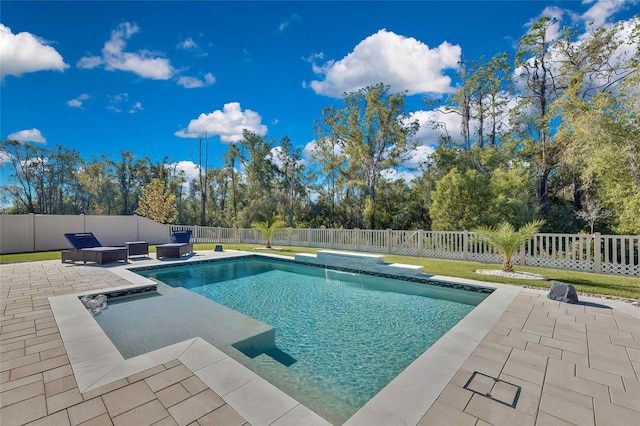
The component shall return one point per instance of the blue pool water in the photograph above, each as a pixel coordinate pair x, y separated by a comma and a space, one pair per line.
347, 335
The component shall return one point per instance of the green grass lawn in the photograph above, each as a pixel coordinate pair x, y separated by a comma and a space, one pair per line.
584, 282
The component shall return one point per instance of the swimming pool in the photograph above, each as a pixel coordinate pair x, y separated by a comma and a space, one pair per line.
340, 337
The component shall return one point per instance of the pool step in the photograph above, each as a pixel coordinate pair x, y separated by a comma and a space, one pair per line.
359, 261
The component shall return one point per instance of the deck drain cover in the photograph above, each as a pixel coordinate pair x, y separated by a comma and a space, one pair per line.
503, 392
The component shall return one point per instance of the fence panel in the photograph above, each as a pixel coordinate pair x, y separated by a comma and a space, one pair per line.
444, 245
621, 254
405, 243
561, 251
612, 254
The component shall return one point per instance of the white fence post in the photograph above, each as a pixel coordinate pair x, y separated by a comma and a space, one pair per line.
465, 244
420, 242
388, 236
597, 253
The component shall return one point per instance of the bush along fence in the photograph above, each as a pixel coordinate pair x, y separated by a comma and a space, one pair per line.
611, 254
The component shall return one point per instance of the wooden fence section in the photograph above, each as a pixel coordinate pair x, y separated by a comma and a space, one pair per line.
612, 254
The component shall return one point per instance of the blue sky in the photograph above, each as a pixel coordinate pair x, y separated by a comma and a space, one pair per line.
152, 77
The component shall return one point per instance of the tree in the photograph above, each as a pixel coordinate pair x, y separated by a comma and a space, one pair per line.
506, 240
533, 114
461, 200
372, 132
267, 229
260, 172
591, 212
291, 169
157, 202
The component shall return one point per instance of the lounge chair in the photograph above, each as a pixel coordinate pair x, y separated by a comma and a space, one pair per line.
87, 248
178, 246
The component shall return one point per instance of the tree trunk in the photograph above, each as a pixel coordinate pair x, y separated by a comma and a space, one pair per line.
507, 266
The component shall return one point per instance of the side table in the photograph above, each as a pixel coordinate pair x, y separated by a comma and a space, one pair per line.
138, 248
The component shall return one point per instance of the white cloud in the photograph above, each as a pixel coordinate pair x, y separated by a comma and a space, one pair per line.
228, 124
287, 23
191, 170
308, 149
194, 82
77, 102
189, 43
23, 52
418, 156
31, 135
602, 10
135, 108
393, 175
4, 157
436, 123
404, 63
143, 63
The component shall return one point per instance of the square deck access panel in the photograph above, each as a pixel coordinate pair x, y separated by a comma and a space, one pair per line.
498, 390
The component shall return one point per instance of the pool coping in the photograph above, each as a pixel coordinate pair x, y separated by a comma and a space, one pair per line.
404, 400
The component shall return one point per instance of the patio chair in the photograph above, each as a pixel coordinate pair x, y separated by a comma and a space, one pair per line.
87, 248
178, 246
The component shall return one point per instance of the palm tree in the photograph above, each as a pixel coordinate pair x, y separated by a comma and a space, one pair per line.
267, 229
506, 240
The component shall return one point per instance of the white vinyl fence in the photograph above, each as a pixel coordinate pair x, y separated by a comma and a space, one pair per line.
23, 233
611, 254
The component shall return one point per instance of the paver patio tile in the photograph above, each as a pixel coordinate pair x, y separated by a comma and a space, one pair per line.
86, 411
63, 400
609, 414
194, 385
482, 365
496, 413
543, 350
611, 358
566, 410
11, 347
195, 407
42, 339
127, 398
574, 358
7, 386
57, 373
172, 395
56, 343
569, 335
627, 342
529, 399
456, 396
38, 367
146, 373
224, 415
104, 389
61, 418
595, 375
441, 414
493, 350
17, 353
28, 391
143, 415
167, 378
60, 385
24, 411
17, 326
568, 395
52, 353
545, 419
630, 400
580, 348
10, 364
558, 375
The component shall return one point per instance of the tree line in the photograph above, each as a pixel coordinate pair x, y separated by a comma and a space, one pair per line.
552, 133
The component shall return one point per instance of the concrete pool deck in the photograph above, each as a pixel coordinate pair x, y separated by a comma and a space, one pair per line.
574, 364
